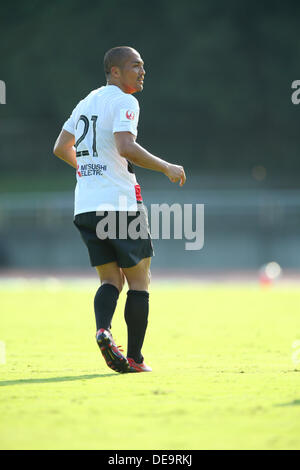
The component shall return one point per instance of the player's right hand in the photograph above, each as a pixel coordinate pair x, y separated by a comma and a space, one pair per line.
176, 173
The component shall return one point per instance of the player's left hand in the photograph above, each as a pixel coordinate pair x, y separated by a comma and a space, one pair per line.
176, 173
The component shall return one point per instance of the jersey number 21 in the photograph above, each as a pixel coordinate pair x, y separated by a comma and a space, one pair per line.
85, 131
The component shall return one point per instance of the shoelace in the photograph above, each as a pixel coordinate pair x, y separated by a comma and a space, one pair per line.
120, 348
134, 364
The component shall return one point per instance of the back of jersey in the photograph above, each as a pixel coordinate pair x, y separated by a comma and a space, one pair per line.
105, 181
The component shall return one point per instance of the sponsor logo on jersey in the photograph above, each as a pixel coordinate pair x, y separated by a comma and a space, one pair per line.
91, 169
126, 115
130, 115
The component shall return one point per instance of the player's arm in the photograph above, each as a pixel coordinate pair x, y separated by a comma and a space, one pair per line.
129, 149
64, 148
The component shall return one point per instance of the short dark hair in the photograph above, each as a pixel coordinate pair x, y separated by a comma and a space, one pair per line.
116, 57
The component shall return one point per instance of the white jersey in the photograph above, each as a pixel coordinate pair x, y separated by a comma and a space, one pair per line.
105, 180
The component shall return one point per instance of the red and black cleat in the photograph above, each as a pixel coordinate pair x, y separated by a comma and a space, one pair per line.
138, 367
111, 353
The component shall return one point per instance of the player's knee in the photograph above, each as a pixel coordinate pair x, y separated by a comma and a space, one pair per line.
139, 287
139, 284
118, 283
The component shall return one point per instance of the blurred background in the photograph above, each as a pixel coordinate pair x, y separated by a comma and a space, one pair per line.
217, 100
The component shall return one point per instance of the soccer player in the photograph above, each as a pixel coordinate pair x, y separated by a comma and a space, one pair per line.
99, 140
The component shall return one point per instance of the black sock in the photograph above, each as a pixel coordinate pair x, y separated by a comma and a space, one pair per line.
136, 317
105, 303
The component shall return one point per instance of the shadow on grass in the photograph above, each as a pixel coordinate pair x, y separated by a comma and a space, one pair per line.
291, 403
68, 378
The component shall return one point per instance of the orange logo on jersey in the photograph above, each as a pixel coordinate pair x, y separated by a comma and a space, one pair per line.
130, 115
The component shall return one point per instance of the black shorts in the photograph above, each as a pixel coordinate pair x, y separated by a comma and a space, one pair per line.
126, 251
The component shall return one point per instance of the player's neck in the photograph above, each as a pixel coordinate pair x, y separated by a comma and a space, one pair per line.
119, 85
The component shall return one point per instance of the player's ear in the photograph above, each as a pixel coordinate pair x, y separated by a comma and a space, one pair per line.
115, 72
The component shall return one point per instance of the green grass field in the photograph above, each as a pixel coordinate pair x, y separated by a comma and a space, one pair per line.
223, 375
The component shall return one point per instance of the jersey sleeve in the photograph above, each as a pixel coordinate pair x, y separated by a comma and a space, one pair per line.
126, 115
70, 123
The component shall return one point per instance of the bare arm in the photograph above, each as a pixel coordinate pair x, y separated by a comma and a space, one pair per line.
64, 148
128, 148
